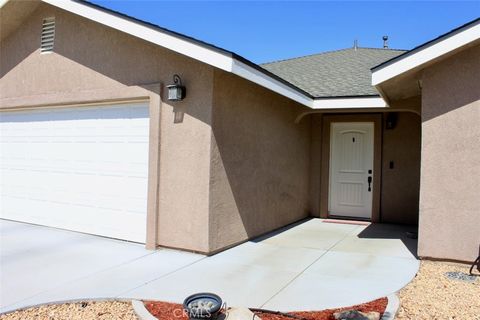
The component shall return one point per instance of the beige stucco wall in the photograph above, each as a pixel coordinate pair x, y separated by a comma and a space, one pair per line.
450, 170
316, 121
260, 162
100, 59
401, 184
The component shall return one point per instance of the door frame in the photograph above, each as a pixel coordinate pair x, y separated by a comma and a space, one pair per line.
377, 159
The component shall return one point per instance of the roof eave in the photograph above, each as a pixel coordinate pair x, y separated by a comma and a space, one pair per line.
195, 49
352, 102
425, 53
209, 54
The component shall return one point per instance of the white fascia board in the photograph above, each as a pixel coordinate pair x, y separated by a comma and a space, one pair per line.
216, 59
3, 2
349, 103
427, 54
247, 72
182, 46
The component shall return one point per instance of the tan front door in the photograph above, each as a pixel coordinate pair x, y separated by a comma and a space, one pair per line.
351, 169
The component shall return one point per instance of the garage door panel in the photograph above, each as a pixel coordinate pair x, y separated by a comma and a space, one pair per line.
82, 219
35, 181
84, 169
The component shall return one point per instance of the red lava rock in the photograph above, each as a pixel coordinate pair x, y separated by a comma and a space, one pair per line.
174, 311
166, 310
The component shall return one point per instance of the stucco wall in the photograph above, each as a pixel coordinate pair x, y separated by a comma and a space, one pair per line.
100, 58
260, 162
450, 171
401, 184
315, 163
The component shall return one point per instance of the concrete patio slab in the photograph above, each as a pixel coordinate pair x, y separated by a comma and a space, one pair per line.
268, 255
384, 247
385, 240
309, 266
312, 234
114, 281
317, 292
238, 284
341, 279
36, 259
37, 262
360, 265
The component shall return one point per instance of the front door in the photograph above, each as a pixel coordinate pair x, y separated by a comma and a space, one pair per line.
351, 169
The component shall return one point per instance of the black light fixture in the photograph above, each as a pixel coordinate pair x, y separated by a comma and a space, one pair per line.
391, 121
176, 91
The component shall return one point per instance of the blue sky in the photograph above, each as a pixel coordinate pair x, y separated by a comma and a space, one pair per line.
263, 31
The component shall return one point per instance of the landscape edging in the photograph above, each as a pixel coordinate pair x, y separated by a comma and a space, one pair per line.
392, 308
142, 312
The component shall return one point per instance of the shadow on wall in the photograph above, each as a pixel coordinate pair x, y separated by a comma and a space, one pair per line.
408, 234
401, 154
97, 57
451, 84
260, 171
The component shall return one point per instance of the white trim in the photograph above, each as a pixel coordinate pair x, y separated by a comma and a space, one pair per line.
182, 46
344, 103
3, 2
185, 47
218, 59
431, 52
247, 72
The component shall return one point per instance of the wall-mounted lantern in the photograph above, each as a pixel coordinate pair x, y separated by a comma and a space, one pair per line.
176, 91
391, 121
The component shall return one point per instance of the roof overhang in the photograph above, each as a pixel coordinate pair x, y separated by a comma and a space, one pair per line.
404, 69
186, 46
209, 54
348, 103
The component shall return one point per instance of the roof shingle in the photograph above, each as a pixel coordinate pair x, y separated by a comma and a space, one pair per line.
341, 73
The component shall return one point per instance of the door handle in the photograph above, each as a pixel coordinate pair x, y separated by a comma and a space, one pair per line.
369, 180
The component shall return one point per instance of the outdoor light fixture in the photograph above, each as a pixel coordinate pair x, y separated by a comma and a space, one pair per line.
176, 91
391, 121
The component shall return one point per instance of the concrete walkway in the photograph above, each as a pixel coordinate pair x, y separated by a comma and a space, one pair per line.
310, 266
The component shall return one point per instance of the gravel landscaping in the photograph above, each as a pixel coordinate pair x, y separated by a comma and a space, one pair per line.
173, 311
436, 294
105, 310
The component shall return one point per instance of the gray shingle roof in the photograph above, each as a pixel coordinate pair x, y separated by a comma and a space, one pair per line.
338, 73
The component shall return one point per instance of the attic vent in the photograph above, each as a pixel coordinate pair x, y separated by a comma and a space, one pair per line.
48, 35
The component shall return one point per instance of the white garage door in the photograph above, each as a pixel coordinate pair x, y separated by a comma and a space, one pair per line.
82, 169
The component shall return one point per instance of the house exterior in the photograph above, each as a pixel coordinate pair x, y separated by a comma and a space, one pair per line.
91, 142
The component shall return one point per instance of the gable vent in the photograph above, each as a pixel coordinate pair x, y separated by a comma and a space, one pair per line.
48, 35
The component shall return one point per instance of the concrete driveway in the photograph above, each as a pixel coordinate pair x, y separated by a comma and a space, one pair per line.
310, 266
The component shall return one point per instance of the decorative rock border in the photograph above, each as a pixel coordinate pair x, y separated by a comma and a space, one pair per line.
142, 313
52, 303
392, 308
